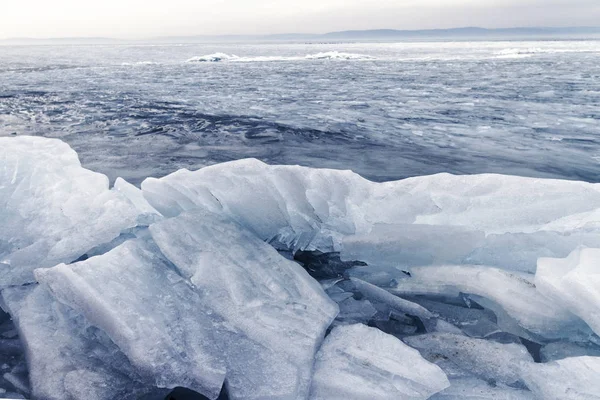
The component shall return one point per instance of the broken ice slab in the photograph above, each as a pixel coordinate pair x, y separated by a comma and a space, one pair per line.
271, 301
51, 209
68, 359
152, 314
240, 310
361, 363
513, 297
575, 282
568, 379
488, 360
306, 208
391, 246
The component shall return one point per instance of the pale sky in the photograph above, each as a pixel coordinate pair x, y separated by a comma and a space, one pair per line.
148, 18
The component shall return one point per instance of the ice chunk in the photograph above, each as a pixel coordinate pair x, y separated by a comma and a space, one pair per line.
470, 388
68, 358
136, 197
358, 362
402, 245
51, 209
269, 300
396, 303
569, 379
155, 316
515, 294
575, 282
494, 362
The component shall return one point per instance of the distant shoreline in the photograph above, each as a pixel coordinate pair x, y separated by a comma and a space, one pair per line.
459, 34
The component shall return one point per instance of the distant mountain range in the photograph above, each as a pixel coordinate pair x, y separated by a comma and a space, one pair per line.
353, 35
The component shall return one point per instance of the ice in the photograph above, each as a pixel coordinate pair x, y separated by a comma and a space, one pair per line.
568, 379
152, 314
575, 282
357, 362
336, 55
560, 350
470, 388
216, 57
67, 358
51, 209
488, 360
395, 303
238, 310
270, 300
512, 296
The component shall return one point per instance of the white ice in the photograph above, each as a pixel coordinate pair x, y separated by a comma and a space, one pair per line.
51, 209
361, 363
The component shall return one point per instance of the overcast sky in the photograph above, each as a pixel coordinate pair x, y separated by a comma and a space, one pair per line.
147, 18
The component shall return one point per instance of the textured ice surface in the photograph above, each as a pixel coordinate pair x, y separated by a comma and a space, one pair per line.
266, 300
488, 360
560, 350
507, 293
358, 362
469, 388
248, 314
575, 282
69, 359
51, 209
155, 316
568, 379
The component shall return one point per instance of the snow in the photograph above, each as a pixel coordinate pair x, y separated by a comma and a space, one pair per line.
358, 362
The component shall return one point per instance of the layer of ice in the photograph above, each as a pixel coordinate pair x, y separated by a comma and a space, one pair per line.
488, 360
357, 362
51, 209
281, 311
67, 358
569, 379
575, 282
505, 292
469, 388
151, 313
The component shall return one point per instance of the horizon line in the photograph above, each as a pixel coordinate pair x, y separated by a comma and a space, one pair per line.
267, 35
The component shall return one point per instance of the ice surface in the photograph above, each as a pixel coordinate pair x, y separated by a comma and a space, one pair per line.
507, 292
568, 379
271, 301
488, 360
475, 389
51, 209
358, 362
575, 282
246, 314
68, 359
561, 350
151, 313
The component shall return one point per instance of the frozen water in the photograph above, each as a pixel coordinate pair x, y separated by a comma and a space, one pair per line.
475, 389
67, 358
358, 362
273, 302
488, 360
507, 293
568, 379
575, 282
149, 311
51, 209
